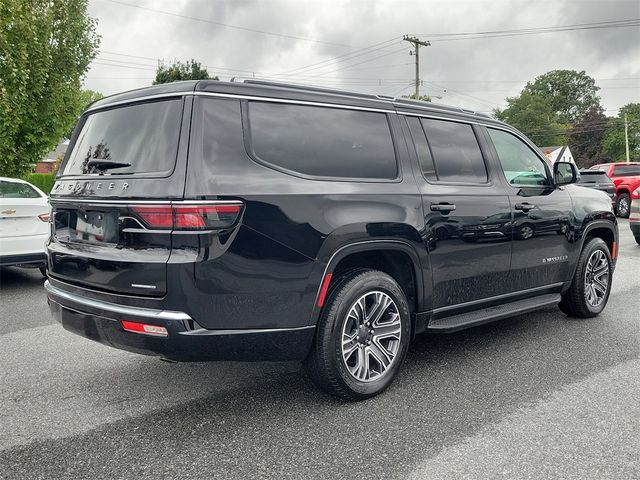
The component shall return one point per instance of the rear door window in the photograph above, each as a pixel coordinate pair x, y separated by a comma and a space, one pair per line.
135, 139
322, 142
455, 150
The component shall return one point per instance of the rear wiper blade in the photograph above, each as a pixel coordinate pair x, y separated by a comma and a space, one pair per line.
105, 164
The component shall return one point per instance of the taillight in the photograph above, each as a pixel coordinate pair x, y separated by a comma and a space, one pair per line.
45, 217
189, 217
144, 328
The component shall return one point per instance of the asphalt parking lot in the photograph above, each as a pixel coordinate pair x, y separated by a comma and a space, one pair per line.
538, 396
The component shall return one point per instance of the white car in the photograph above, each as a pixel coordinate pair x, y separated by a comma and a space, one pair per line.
24, 224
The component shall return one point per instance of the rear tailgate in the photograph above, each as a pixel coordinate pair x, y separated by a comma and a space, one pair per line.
120, 159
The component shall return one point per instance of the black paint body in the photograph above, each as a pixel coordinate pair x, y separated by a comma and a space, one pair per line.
258, 283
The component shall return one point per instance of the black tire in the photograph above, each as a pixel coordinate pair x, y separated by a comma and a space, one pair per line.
623, 205
574, 302
638, 239
325, 363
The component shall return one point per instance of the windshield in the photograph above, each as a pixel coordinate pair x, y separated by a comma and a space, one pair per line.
626, 170
144, 136
594, 177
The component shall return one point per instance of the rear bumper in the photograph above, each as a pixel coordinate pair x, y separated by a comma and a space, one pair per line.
35, 259
186, 340
24, 245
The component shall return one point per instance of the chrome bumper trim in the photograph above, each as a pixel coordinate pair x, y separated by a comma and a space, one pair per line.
56, 293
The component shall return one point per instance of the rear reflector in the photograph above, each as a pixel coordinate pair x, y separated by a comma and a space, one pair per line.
324, 289
189, 217
613, 250
144, 328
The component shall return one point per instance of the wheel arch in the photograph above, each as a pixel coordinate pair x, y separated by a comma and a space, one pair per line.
397, 258
603, 229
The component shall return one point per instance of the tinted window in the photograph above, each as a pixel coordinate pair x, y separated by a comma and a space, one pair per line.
422, 148
17, 190
520, 164
323, 142
626, 170
455, 151
144, 136
592, 176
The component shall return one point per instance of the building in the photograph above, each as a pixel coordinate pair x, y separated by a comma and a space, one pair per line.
558, 154
48, 163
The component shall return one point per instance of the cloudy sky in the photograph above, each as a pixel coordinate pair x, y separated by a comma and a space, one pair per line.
357, 44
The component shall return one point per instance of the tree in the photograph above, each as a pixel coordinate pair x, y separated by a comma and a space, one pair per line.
422, 98
570, 94
86, 98
46, 47
533, 116
614, 144
586, 138
190, 70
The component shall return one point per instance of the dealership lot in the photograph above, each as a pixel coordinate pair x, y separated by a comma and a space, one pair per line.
538, 396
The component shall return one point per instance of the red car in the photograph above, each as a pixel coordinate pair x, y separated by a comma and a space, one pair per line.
626, 178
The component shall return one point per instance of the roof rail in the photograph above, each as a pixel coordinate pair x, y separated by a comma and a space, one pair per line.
436, 106
311, 88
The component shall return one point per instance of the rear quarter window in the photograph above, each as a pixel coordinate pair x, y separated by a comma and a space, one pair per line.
322, 142
144, 135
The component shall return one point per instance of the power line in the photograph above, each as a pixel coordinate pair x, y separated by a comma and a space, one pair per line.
440, 37
343, 58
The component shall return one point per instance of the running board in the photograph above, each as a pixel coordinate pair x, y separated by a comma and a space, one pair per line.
489, 314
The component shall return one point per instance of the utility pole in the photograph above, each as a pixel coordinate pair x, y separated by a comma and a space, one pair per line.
417, 43
626, 136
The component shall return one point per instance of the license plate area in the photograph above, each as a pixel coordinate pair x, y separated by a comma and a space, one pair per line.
86, 226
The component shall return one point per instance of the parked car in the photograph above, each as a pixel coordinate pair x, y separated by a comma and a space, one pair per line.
626, 178
24, 224
634, 217
259, 221
598, 180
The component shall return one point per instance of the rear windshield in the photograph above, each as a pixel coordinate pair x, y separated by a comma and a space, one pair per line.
594, 177
626, 170
144, 136
17, 190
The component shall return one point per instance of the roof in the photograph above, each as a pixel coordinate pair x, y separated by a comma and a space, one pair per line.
261, 88
13, 180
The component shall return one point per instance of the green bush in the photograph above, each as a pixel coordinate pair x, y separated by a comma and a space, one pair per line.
44, 181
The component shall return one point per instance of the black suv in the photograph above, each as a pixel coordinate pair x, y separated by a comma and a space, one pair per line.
259, 221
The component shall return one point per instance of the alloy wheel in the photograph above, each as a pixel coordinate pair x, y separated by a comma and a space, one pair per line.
596, 280
371, 336
623, 206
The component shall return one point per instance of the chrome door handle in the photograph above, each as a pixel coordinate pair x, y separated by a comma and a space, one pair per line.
442, 207
525, 206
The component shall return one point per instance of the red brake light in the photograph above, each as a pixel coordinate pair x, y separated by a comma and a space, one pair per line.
189, 217
160, 216
44, 217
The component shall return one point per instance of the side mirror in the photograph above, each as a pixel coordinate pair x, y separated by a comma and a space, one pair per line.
565, 173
